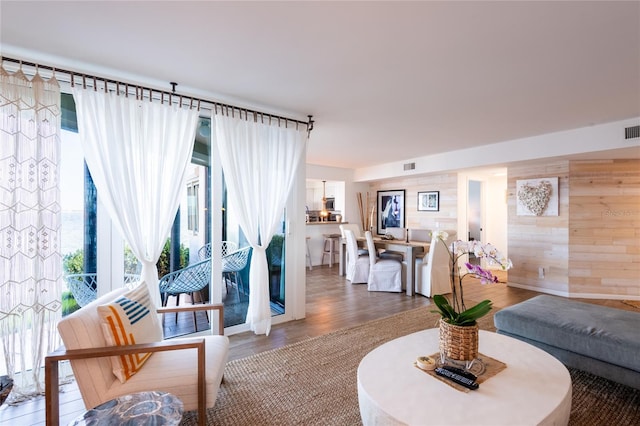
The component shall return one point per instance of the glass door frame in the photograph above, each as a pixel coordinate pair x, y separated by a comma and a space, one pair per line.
295, 254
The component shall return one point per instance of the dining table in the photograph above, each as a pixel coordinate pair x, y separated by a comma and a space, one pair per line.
410, 251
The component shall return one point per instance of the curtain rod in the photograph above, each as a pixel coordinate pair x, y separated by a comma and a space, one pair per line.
190, 100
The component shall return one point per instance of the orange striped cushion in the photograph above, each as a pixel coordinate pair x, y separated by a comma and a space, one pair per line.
130, 319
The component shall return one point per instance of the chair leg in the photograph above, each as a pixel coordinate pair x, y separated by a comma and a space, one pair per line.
163, 300
195, 322
177, 304
52, 392
203, 301
224, 280
309, 255
238, 277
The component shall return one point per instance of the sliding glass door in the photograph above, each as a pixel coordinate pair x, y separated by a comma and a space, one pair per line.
97, 259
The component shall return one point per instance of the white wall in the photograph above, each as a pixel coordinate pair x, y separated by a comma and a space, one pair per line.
295, 252
497, 212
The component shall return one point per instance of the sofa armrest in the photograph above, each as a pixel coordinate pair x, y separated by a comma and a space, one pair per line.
199, 307
52, 389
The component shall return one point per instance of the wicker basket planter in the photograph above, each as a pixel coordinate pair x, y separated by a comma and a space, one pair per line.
457, 342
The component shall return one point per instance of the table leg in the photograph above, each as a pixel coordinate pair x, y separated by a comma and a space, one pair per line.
410, 257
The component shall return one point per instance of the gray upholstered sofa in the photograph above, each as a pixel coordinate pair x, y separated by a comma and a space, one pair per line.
597, 339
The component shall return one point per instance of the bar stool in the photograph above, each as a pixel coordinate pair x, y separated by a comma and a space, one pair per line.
309, 255
330, 247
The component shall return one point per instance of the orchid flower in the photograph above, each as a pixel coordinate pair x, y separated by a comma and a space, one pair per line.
485, 275
460, 248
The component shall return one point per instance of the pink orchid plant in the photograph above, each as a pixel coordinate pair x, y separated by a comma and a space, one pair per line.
456, 312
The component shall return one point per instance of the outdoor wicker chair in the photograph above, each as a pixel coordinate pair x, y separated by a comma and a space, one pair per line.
232, 264
191, 279
227, 247
84, 287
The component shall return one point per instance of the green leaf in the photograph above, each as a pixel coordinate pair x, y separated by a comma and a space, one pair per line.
444, 308
471, 315
467, 317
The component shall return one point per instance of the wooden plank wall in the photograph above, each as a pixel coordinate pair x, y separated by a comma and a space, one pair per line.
604, 227
539, 241
447, 184
591, 249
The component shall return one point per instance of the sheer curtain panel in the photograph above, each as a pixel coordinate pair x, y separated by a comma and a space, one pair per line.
31, 270
259, 161
137, 152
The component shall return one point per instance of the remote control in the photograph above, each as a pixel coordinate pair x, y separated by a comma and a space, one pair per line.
456, 378
461, 372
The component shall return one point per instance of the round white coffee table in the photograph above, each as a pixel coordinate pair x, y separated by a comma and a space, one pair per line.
534, 389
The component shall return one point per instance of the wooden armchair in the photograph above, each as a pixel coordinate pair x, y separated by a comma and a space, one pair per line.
189, 368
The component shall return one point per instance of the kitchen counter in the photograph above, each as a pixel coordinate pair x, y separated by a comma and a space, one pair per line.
326, 223
316, 231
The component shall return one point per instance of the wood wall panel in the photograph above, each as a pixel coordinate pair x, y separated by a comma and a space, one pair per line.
604, 227
447, 184
536, 242
591, 249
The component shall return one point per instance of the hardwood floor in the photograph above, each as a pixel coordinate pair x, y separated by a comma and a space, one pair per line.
332, 304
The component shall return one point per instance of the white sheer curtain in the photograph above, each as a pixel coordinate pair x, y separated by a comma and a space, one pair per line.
259, 162
137, 152
30, 261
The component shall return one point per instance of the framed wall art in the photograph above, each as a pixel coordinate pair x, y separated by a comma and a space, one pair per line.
537, 197
429, 201
390, 210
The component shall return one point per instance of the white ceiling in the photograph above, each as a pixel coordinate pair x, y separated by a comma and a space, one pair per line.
385, 81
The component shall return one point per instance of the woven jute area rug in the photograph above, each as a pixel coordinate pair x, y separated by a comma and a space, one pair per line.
313, 382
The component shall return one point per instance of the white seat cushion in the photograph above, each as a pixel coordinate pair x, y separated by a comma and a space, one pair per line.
176, 372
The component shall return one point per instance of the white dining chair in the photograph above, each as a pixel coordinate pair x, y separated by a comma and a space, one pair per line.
353, 227
357, 264
433, 273
357, 234
419, 235
396, 233
384, 274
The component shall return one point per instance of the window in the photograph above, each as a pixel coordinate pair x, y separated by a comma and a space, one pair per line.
78, 229
193, 218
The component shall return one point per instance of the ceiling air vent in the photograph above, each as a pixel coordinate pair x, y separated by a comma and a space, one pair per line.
629, 133
409, 166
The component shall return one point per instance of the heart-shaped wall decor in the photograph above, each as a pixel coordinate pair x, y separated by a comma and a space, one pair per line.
535, 198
